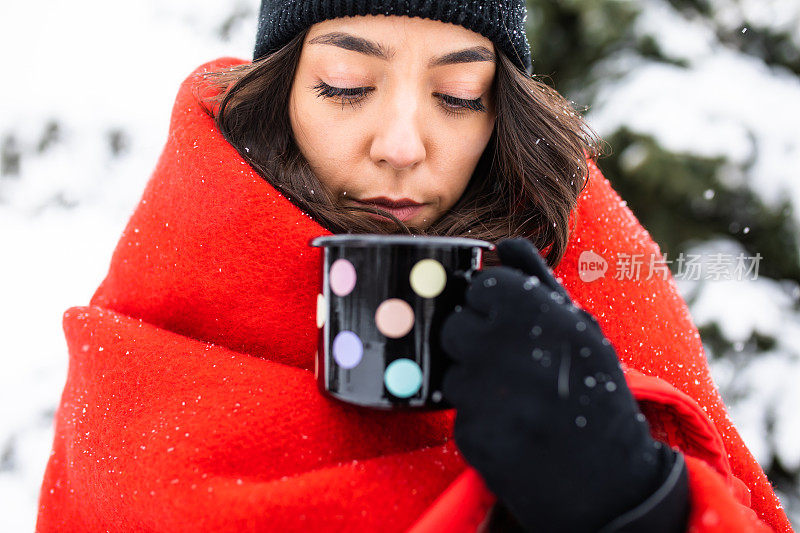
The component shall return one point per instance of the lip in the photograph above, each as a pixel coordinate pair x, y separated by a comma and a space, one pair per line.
403, 208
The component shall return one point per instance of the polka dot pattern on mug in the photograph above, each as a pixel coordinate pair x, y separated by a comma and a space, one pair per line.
347, 349
428, 278
394, 318
322, 310
403, 378
342, 277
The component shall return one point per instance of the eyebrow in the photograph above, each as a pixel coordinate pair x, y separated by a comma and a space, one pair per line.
371, 48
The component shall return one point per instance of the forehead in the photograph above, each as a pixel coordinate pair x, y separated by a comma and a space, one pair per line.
395, 31
442, 43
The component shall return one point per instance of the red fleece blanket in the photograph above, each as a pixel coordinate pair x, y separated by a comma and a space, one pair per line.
191, 405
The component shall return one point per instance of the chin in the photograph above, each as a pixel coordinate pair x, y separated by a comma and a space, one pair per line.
390, 227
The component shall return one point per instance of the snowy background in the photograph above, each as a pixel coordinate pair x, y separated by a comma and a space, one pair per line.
84, 113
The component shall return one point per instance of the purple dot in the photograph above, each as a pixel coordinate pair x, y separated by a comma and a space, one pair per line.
347, 349
342, 277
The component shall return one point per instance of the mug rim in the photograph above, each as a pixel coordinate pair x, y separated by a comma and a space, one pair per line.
362, 239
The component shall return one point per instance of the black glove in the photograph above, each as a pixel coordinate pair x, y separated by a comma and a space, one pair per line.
543, 411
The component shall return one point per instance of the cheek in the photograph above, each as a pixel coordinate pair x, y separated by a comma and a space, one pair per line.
459, 159
318, 130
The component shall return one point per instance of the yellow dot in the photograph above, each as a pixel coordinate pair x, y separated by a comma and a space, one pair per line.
428, 278
322, 310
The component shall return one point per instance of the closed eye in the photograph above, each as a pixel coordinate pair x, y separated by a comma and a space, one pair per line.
452, 106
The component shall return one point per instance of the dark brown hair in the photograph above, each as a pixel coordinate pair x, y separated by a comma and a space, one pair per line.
525, 184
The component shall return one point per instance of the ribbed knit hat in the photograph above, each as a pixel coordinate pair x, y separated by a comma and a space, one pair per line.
501, 21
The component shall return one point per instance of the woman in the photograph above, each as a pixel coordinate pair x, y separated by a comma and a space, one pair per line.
191, 402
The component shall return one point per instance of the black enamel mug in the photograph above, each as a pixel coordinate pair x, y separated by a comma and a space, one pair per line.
380, 313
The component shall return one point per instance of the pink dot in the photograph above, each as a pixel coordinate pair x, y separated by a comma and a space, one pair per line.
394, 318
342, 277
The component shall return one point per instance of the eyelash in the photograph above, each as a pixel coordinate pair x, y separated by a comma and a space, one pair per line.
357, 94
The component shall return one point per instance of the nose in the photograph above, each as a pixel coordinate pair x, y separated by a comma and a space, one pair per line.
399, 137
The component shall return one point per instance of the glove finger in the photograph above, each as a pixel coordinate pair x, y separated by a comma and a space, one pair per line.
496, 289
464, 334
458, 385
522, 254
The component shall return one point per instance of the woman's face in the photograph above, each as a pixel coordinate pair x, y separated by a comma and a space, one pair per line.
394, 107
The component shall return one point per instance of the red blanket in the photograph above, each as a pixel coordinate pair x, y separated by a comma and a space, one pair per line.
191, 404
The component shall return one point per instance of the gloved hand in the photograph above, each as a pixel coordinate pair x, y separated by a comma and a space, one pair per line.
543, 411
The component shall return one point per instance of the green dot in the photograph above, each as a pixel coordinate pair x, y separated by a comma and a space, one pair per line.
403, 378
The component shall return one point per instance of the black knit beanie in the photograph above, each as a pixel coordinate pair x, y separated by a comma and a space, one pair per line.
501, 21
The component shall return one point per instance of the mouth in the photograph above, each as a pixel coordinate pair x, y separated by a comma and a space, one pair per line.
403, 208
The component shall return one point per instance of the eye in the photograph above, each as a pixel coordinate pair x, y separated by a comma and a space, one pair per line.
458, 106
351, 96
452, 106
